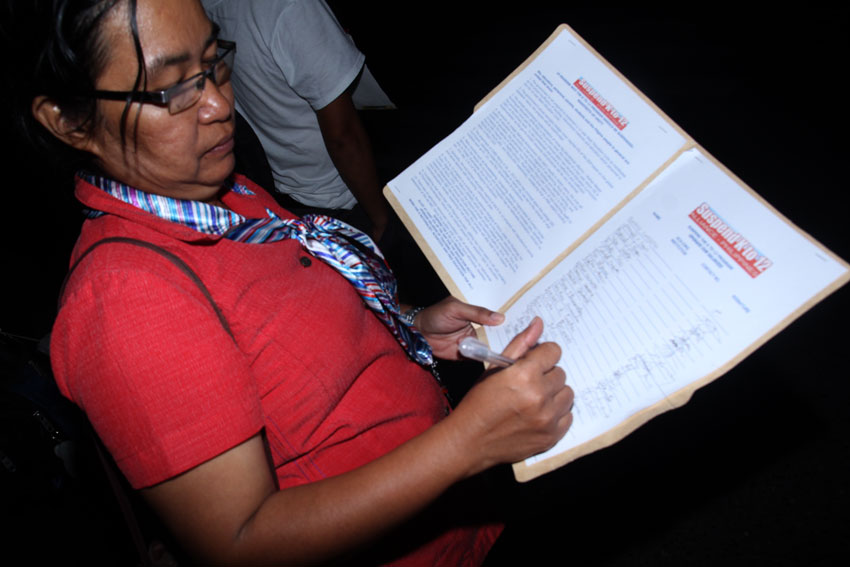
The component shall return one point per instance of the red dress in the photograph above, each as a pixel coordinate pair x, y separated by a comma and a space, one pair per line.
138, 347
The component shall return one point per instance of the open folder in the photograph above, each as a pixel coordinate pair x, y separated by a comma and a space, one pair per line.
569, 195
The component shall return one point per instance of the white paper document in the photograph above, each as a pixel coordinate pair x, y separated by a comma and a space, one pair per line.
567, 195
667, 292
564, 142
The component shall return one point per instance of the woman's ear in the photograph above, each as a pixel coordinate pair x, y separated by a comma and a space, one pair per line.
50, 115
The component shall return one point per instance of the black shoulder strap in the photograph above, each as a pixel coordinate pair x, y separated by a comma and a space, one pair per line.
176, 260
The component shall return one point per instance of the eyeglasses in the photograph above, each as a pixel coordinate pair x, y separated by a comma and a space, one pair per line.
185, 93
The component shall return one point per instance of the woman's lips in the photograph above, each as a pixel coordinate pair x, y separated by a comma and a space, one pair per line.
223, 147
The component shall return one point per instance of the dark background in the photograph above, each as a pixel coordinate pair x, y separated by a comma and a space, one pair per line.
754, 470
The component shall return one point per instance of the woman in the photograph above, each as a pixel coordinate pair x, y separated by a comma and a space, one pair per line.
264, 435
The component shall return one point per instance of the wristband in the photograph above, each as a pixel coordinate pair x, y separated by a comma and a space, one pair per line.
408, 316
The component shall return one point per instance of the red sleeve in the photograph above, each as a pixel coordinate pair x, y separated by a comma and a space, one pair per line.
144, 355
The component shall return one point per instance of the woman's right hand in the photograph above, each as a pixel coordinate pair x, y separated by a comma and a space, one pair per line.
518, 411
228, 509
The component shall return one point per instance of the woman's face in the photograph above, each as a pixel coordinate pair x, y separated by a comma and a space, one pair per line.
186, 155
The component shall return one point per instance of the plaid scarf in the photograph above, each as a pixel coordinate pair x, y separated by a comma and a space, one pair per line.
344, 248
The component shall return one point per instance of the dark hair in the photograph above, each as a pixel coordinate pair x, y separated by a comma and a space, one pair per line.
55, 48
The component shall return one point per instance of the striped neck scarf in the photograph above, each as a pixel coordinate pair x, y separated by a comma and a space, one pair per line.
344, 248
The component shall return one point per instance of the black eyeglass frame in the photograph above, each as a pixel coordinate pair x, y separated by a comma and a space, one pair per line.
165, 96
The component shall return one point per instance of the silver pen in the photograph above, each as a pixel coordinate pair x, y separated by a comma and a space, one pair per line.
476, 350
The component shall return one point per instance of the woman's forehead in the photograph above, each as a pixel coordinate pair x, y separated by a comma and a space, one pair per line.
170, 32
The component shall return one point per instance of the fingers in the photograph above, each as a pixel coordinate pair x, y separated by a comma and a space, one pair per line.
476, 313
523, 342
527, 339
521, 410
484, 316
546, 406
564, 399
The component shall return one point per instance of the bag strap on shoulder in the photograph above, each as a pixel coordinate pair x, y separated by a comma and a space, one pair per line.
173, 258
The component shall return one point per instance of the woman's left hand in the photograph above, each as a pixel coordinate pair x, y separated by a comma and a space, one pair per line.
444, 324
